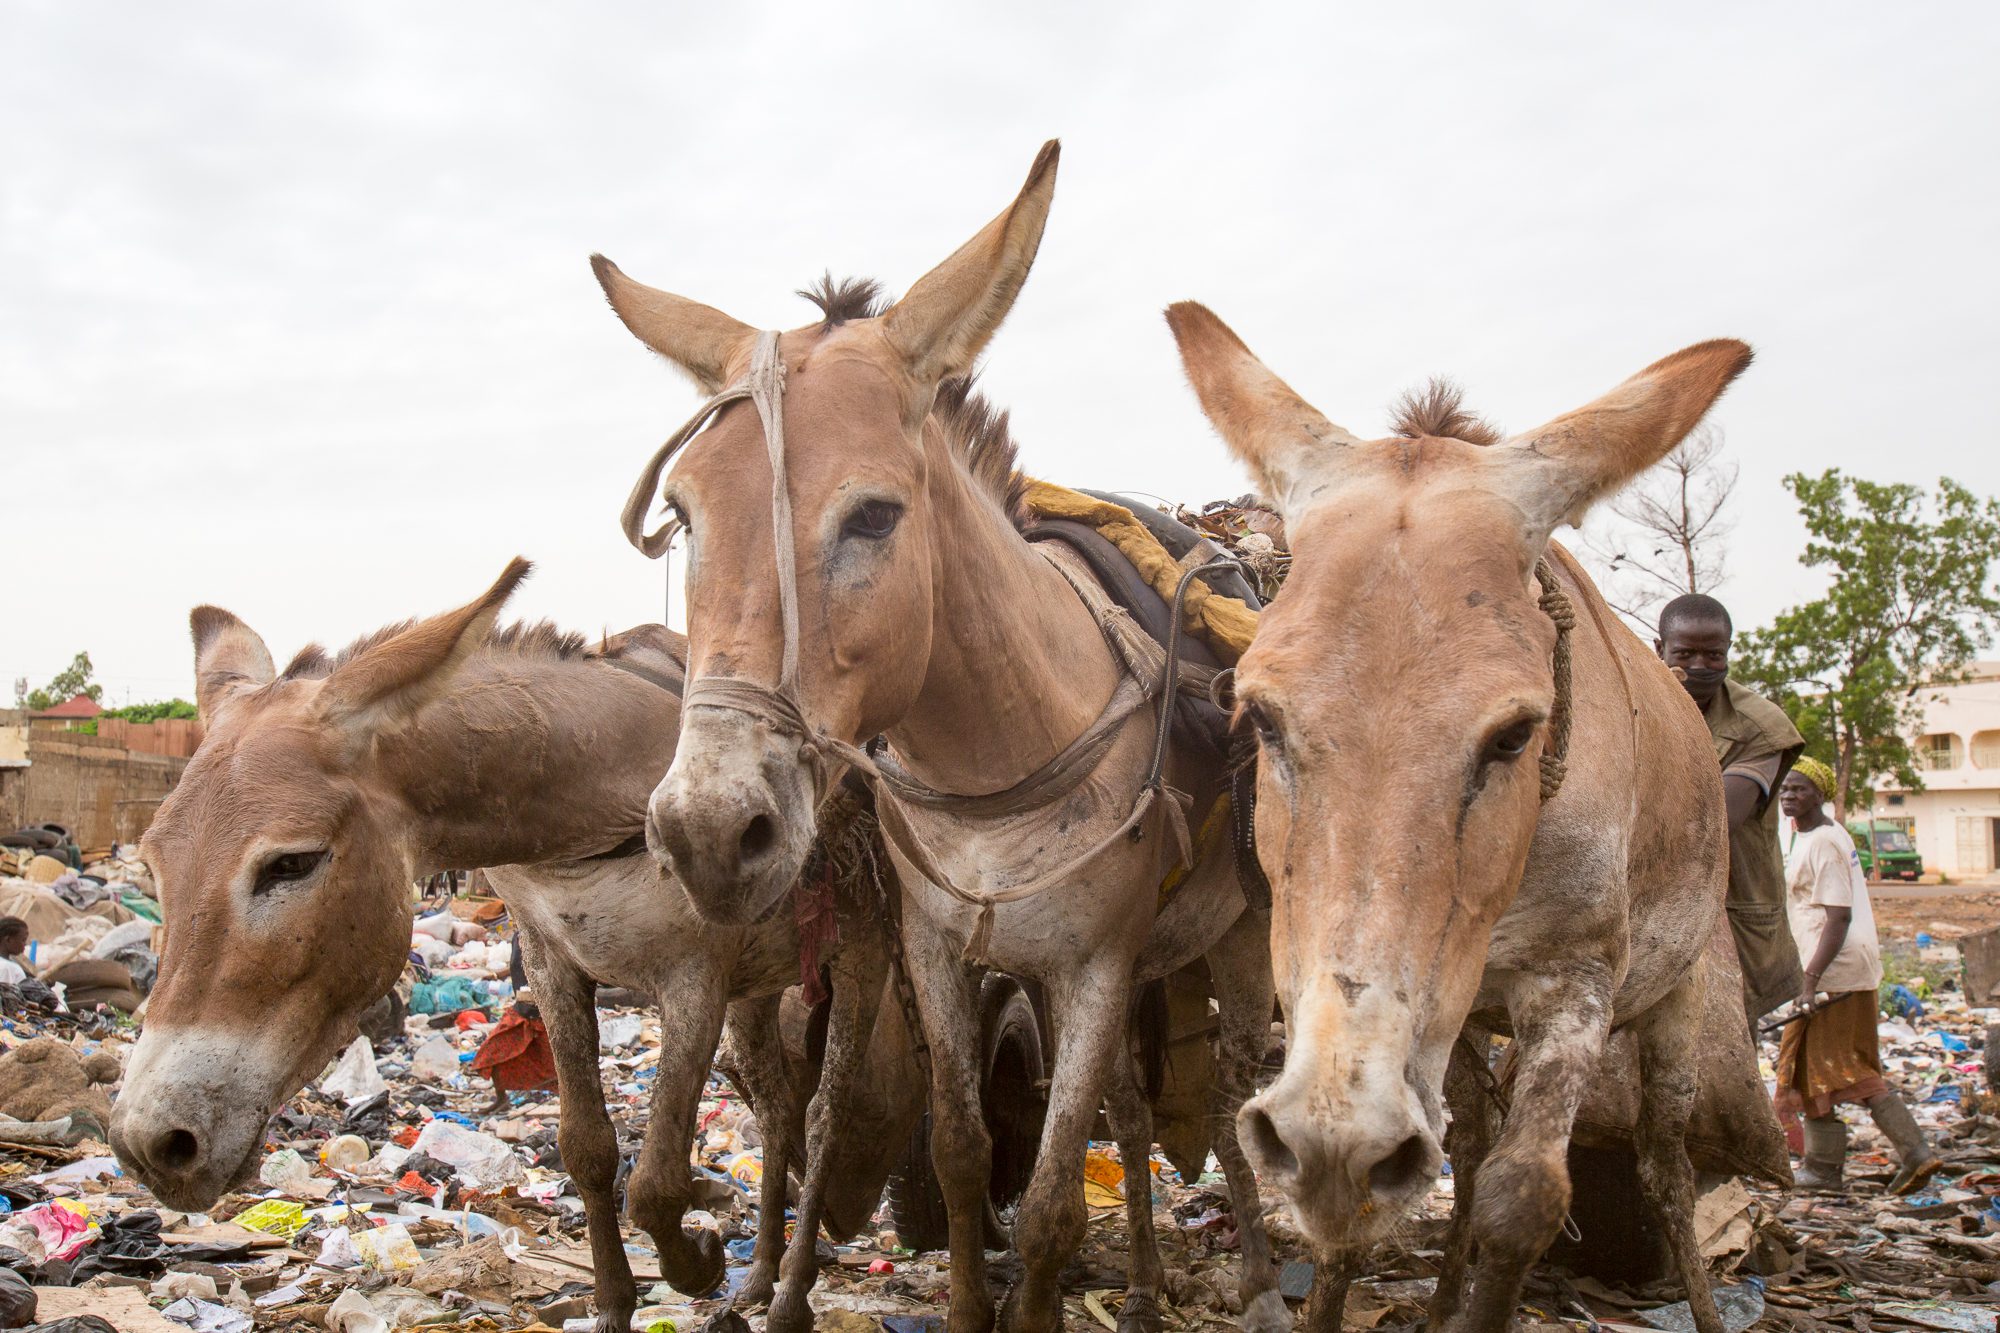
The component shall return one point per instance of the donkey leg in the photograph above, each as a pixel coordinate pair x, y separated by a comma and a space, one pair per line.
961, 1149
857, 990
1239, 966
1132, 1126
1669, 1035
752, 1038
658, 1194
568, 1001
1091, 1024
1523, 1192
1467, 1141
1333, 1273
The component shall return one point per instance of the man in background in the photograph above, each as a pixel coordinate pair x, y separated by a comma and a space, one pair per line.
1756, 744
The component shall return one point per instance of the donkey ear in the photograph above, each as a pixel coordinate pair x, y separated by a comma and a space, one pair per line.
229, 660
399, 675
1556, 472
699, 339
1280, 437
942, 323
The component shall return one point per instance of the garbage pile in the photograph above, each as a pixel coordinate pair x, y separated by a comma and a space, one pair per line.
400, 1190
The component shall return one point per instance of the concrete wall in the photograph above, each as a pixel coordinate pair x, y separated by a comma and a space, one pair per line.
1957, 814
102, 792
13, 733
1954, 831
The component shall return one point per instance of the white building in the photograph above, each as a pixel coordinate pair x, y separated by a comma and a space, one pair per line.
1955, 819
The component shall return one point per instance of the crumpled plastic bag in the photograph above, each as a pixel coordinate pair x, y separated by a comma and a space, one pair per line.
58, 1229
17, 1300
481, 1161
284, 1169
207, 1316
435, 1061
130, 1244
617, 1031
388, 1249
354, 1077
378, 1312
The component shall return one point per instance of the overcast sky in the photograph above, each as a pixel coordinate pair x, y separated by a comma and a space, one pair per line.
295, 315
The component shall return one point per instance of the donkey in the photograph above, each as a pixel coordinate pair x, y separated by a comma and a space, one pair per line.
285, 856
1434, 868
916, 611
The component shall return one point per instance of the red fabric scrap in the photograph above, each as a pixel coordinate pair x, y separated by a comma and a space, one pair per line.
516, 1055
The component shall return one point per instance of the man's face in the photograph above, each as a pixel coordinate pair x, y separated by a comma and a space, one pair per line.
12, 944
1701, 650
1798, 797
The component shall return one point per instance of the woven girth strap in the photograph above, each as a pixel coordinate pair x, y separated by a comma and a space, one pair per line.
1556, 606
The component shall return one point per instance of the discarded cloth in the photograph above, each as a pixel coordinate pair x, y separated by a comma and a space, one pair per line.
516, 1055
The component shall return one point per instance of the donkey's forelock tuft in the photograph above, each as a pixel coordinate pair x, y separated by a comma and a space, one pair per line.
850, 298
1438, 409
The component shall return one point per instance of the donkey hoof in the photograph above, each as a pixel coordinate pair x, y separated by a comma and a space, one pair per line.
1015, 1318
1267, 1314
789, 1313
757, 1287
703, 1274
1139, 1314
607, 1322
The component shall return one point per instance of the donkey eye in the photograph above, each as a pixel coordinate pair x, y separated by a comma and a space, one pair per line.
1267, 731
1511, 741
288, 868
872, 519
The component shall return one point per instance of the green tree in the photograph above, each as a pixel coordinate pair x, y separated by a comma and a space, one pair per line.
158, 711
71, 681
1909, 602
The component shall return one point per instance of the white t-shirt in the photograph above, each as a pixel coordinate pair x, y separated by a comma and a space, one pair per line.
11, 972
1822, 871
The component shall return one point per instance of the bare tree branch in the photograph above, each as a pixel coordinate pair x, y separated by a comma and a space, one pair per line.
1667, 533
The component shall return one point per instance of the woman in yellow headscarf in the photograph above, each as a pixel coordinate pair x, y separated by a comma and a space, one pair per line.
1832, 1055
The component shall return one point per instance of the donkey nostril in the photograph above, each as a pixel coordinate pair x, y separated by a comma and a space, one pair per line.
178, 1149
1261, 1137
1404, 1167
758, 836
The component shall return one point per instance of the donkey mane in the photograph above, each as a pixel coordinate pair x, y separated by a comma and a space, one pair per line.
848, 299
539, 638
973, 426
1438, 409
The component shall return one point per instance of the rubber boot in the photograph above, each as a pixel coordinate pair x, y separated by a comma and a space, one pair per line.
1916, 1162
1826, 1154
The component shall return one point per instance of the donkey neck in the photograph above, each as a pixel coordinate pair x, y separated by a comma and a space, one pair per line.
527, 759
1018, 667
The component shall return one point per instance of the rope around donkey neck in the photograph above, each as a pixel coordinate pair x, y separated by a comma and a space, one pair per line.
1557, 607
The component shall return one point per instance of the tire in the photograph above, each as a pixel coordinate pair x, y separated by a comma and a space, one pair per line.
1013, 1103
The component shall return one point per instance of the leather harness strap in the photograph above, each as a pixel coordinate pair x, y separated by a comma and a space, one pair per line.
781, 708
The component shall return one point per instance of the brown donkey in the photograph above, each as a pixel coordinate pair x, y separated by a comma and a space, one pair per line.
1434, 870
913, 609
285, 857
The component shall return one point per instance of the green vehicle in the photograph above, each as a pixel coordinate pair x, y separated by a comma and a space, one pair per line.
1885, 850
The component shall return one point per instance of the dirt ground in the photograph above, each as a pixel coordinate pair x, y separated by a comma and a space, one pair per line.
1944, 912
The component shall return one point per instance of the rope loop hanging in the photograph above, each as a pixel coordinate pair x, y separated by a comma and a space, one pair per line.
1556, 606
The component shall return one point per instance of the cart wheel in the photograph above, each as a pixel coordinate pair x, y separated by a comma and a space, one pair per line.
1013, 1103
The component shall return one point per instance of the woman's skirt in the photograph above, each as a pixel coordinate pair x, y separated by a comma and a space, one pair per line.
1831, 1057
